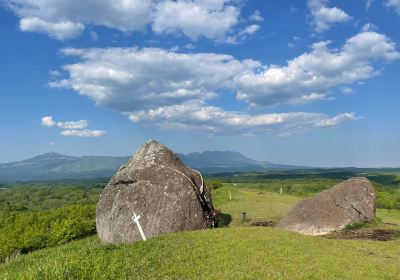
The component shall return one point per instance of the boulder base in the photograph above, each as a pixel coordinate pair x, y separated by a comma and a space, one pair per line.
155, 184
346, 203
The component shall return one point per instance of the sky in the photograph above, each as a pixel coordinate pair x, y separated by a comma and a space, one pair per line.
311, 82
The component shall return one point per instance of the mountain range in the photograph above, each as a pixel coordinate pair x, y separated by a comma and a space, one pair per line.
55, 166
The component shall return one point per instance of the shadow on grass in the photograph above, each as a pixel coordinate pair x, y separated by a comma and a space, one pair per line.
223, 219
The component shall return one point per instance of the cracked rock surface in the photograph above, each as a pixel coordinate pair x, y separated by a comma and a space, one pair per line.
155, 184
346, 203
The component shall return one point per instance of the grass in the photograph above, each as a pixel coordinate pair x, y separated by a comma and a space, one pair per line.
389, 216
235, 252
259, 205
229, 253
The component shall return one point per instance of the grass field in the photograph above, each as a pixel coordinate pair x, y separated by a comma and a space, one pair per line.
238, 251
389, 216
234, 253
259, 205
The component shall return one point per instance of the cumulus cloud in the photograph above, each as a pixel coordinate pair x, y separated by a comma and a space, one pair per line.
72, 128
312, 75
213, 19
146, 82
394, 4
66, 19
129, 79
48, 121
200, 116
324, 17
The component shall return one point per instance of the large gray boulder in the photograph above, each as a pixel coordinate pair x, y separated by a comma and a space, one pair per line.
155, 184
346, 203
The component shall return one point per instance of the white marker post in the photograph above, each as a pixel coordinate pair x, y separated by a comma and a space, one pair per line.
135, 219
281, 191
230, 195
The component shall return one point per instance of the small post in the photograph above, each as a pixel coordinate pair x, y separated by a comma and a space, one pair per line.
244, 217
230, 195
135, 219
281, 191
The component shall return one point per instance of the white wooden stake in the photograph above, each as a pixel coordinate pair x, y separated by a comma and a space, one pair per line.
230, 195
281, 191
135, 219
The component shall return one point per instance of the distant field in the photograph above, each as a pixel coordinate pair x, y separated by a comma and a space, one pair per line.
261, 205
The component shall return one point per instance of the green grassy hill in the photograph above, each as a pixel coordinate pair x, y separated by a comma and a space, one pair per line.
238, 251
230, 253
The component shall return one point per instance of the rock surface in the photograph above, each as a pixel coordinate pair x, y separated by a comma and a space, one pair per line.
346, 203
156, 185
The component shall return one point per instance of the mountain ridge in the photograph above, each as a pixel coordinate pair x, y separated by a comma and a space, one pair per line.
52, 165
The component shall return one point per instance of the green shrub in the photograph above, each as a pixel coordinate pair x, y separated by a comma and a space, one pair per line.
215, 184
31, 230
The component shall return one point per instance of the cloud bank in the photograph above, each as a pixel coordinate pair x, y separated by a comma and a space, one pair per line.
212, 19
164, 87
214, 120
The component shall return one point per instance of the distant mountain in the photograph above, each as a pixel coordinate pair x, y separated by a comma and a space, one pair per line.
54, 166
216, 161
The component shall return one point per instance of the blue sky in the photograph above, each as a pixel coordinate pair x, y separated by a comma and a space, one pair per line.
297, 82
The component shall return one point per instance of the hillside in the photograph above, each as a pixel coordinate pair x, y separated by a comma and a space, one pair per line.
54, 166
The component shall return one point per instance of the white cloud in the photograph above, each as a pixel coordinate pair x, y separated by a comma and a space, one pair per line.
213, 19
129, 79
83, 133
59, 30
311, 76
243, 34
48, 121
72, 128
347, 90
395, 4
200, 116
54, 73
144, 82
324, 17
82, 124
256, 16
65, 19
